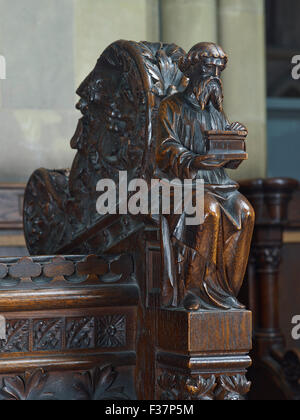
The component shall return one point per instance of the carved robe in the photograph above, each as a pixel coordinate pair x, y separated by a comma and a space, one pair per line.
207, 260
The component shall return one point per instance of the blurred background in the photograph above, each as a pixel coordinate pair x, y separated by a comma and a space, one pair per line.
50, 47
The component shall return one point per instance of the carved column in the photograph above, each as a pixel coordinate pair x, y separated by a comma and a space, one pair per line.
272, 369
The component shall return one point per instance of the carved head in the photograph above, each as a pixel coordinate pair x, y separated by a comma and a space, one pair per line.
203, 65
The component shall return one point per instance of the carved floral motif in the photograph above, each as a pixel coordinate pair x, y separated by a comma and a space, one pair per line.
232, 388
111, 331
17, 337
47, 334
97, 384
184, 387
80, 333
29, 386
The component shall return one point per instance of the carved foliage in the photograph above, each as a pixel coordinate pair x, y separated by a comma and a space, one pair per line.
80, 333
181, 387
58, 334
118, 102
232, 387
29, 386
17, 337
161, 63
184, 387
47, 334
98, 383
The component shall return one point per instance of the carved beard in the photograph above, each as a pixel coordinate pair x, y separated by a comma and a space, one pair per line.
210, 90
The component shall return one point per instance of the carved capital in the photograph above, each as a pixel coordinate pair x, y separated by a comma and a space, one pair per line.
185, 387
267, 258
232, 388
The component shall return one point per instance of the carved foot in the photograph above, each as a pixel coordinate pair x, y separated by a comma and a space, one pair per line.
191, 302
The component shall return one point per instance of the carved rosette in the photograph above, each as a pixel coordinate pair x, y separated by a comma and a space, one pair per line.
111, 331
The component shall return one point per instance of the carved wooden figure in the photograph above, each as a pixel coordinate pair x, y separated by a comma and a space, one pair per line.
155, 295
210, 259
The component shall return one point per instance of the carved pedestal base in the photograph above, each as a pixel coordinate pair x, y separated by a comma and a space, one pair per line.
203, 355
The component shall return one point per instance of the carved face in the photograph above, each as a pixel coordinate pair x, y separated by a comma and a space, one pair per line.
206, 82
210, 67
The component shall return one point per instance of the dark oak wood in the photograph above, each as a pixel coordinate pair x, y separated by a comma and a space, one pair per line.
276, 370
124, 307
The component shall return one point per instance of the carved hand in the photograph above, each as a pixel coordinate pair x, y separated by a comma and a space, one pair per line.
208, 162
236, 126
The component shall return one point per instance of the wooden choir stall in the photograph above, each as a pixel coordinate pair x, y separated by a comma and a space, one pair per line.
143, 306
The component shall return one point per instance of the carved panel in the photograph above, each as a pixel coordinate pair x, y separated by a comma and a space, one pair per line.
65, 333
47, 334
118, 101
80, 333
17, 337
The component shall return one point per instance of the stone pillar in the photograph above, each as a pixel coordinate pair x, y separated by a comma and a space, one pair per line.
98, 23
241, 34
186, 22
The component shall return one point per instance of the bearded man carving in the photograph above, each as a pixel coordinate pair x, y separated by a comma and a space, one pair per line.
204, 265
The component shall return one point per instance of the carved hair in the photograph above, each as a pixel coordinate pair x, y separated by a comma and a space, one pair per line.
197, 54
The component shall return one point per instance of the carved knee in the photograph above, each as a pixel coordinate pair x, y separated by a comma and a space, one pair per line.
248, 213
211, 208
